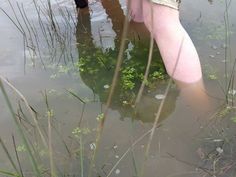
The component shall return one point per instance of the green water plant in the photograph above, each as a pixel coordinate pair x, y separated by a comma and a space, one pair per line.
96, 70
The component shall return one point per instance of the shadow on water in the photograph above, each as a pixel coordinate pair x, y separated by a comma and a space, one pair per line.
185, 144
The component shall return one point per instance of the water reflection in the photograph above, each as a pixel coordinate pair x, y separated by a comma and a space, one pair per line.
97, 59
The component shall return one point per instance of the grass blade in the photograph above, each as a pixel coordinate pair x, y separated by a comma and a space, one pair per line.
81, 157
17, 156
112, 89
129, 149
76, 96
9, 173
8, 156
50, 146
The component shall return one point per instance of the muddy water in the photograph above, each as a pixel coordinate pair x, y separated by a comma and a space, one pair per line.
186, 135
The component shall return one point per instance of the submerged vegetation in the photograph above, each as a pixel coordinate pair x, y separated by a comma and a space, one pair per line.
93, 68
43, 146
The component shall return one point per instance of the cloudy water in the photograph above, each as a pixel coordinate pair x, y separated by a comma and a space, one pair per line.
63, 65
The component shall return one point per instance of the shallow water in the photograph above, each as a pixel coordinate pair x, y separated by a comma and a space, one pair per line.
186, 132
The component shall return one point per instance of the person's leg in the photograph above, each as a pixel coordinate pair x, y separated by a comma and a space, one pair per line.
177, 50
136, 10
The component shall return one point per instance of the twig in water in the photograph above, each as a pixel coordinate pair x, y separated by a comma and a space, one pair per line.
129, 149
112, 89
161, 106
209, 172
17, 156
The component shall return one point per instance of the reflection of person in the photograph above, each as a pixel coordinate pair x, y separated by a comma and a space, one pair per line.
97, 68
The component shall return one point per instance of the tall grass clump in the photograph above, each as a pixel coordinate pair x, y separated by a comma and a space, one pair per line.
21, 134
229, 60
56, 33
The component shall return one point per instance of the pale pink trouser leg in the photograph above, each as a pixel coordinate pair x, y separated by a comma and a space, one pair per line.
136, 10
171, 38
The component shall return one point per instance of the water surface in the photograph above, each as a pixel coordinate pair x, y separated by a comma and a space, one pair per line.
185, 144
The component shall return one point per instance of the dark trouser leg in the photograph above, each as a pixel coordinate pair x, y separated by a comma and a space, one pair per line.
81, 3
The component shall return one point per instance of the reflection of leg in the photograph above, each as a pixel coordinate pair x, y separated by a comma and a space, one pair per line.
115, 13
83, 23
83, 31
169, 34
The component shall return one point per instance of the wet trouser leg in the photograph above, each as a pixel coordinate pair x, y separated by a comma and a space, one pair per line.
81, 3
